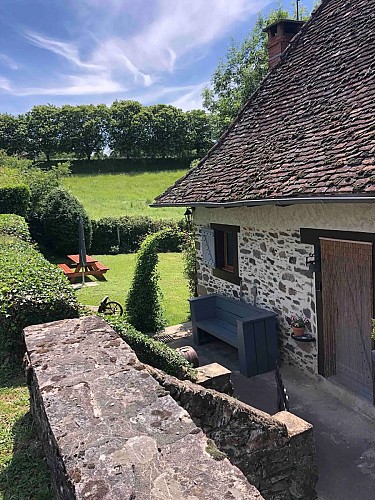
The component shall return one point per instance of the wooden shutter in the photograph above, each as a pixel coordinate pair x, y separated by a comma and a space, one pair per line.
208, 247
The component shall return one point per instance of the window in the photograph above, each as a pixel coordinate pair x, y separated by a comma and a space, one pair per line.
226, 252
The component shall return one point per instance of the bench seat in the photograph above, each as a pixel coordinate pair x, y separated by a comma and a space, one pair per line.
250, 329
220, 329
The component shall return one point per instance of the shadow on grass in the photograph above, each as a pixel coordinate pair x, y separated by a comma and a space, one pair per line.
26, 476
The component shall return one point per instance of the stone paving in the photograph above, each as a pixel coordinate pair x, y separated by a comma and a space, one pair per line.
345, 438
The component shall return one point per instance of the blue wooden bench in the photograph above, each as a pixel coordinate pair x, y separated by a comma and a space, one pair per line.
250, 329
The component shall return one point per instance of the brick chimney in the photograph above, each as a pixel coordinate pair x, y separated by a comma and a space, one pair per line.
280, 35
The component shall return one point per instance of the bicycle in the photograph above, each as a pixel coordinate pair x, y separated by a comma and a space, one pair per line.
110, 307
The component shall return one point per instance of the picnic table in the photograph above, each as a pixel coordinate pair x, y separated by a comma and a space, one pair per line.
74, 269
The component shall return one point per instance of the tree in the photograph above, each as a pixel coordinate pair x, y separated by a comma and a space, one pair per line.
43, 131
168, 134
12, 134
83, 129
122, 131
198, 133
240, 74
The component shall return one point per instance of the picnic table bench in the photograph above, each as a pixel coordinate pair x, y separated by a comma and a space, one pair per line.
250, 329
93, 267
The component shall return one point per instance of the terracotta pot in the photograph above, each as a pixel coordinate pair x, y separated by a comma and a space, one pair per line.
298, 332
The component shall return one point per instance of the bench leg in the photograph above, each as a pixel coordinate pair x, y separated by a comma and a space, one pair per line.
246, 351
200, 336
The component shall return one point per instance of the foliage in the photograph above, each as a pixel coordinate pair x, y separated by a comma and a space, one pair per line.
24, 473
190, 263
14, 199
127, 128
14, 225
373, 330
152, 352
125, 234
144, 300
238, 76
32, 291
61, 222
119, 194
43, 131
298, 321
83, 129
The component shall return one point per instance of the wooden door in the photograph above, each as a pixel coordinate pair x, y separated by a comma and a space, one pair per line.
347, 296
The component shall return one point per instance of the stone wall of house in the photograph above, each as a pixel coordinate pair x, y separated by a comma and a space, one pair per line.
276, 453
109, 430
272, 262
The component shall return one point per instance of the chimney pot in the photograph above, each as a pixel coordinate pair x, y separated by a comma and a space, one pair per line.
280, 34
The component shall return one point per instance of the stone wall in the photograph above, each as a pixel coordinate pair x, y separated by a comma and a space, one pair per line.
272, 262
277, 454
109, 430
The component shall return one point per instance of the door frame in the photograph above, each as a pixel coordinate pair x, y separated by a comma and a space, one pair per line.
312, 237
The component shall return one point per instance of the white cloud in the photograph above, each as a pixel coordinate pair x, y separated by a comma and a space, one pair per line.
192, 99
64, 49
77, 85
5, 84
8, 61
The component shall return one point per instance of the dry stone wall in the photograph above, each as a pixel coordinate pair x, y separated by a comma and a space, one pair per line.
109, 430
276, 453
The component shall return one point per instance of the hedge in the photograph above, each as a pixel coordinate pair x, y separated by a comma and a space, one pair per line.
153, 352
32, 291
14, 225
125, 234
14, 199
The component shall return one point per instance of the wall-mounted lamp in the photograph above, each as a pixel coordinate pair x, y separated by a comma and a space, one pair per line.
188, 217
313, 262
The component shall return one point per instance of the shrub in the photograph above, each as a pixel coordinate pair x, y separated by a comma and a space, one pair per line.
152, 352
32, 291
61, 222
14, 225
144, 301
14, 199
125, 234
190, 263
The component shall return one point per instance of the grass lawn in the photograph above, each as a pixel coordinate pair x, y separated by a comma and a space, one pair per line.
120, 275
23, 471
113, 195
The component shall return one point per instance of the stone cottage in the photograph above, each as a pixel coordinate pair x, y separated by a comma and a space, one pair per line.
285, 199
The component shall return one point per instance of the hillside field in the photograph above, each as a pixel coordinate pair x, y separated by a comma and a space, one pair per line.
105, 195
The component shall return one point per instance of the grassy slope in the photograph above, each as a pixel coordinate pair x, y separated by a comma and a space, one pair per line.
113, 195
172, 282
23, 470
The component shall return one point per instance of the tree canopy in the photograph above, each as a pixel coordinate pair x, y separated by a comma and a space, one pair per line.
239, 74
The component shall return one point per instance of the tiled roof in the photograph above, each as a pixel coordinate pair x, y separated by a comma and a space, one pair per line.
309, 130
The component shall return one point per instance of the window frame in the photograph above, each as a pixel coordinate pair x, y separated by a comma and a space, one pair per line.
222, 269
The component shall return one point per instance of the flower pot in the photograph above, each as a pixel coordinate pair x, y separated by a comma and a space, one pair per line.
298, 332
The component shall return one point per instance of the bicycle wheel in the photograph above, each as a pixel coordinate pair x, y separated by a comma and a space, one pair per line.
113, 309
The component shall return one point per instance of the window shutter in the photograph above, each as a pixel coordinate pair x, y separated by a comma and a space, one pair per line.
208, 247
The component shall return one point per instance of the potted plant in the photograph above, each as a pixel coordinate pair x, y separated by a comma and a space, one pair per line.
298, 323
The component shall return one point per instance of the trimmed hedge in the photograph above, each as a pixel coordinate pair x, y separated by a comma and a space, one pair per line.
125, 234
32, 291
61, 222
152, 352
14, 199
14, 225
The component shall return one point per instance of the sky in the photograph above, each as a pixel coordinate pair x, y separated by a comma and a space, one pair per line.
97, 51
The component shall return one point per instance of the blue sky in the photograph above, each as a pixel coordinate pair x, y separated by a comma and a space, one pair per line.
97, 51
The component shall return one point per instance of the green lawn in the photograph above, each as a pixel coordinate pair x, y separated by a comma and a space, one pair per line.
24, 474
119, 277
105, 195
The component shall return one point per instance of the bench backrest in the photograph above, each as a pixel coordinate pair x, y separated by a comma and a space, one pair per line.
228, 311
